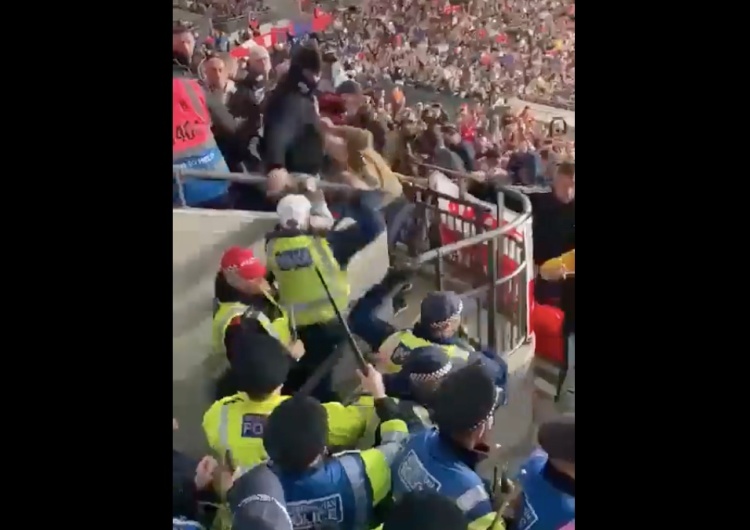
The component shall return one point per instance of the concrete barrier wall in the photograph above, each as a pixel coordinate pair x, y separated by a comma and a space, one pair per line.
199, 239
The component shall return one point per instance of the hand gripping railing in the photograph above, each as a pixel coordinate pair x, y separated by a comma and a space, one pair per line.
180, 174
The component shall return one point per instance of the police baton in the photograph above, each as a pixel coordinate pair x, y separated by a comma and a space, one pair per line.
509, 496
361, 363
328, 364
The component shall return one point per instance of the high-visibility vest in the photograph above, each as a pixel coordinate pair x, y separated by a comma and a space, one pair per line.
191, 122
415, 415
407, 342
226, 312
292, 260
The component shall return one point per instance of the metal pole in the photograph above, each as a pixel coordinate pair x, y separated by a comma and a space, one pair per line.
492, 307
439, 269
251, 178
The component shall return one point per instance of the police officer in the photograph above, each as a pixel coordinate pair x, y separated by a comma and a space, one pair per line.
344, 489
237, 423
294, 251
241, 290
193, 143
548, 479
444, 460
412, 389
439, 324
244, 304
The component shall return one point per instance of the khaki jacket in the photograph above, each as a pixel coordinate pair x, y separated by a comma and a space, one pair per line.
366, 163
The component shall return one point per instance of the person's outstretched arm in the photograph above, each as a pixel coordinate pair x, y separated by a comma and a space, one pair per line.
368, 225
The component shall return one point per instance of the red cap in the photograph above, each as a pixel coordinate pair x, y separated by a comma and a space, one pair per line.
243, 262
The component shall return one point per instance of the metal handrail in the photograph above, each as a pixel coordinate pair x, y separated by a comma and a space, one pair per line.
484, 236
180, 174
248, 178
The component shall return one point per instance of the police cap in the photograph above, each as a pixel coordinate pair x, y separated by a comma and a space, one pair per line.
256, 500
427, 363
465, 399
439, 308
260, 363
425, 509
296, 433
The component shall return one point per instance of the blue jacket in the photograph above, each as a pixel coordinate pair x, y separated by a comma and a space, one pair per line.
430, 462
336, 491
546, 506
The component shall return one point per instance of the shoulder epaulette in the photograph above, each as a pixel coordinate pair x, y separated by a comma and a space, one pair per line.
232, 399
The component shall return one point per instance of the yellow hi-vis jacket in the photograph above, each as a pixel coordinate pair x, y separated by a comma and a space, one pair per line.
278, 328
236, 424
400, 344
292, 260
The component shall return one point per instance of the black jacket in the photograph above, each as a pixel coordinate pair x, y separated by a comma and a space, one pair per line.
291, 136
554, 226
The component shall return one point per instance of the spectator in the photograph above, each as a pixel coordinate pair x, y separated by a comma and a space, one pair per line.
218, 70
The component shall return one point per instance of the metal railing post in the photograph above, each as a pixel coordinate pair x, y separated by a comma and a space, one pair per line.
439, 269
492, 306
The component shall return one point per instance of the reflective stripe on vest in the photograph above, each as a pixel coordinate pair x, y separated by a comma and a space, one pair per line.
408, 341
224, 427
329, 270
265, 322
191, 131
355, 473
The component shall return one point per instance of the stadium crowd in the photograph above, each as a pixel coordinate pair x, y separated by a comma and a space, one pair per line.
333, 107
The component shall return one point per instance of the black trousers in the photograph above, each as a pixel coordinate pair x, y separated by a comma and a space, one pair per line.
320, 340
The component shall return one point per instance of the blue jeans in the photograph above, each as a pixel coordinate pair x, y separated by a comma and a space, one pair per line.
397, 214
